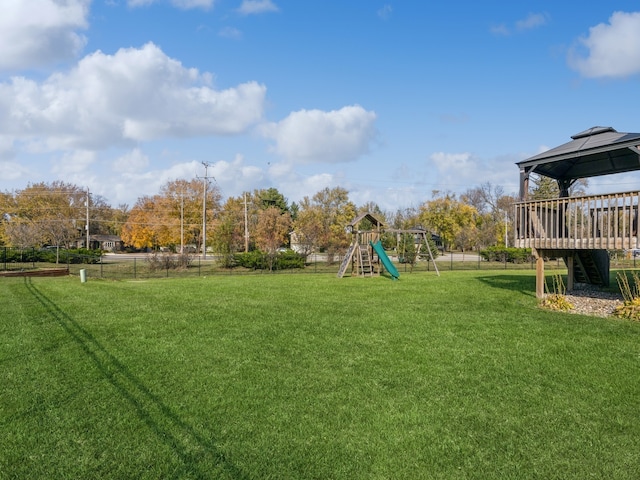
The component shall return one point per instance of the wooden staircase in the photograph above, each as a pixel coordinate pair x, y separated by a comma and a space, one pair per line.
591, 266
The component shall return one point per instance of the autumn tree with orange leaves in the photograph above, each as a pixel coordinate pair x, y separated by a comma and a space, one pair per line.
173, 217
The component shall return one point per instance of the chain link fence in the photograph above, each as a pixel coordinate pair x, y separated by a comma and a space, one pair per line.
163, 265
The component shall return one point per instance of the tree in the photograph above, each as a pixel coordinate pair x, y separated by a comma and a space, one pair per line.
495, 210
270, 197
294, 208
544, 188
240, 213
334, 211
112, 220
447, 216
229, 231
308, 230
171, 217
45, 213
140, 229
272, 231
7, 212
405, 218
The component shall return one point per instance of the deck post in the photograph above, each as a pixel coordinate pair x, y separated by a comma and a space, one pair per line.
570, 261
539, 277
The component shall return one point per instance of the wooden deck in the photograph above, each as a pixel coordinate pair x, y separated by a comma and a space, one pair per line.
594, 222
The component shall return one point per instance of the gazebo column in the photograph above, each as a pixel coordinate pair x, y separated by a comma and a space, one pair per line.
570, 261
524, 183
539, 273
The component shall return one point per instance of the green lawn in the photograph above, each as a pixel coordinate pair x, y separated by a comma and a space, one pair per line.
310, 376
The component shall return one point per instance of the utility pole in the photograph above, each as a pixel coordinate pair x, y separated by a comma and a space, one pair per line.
182, 222
87, 224
246, 225
506, 227
205, 181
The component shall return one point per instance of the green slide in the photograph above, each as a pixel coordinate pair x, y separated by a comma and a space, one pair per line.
386, 261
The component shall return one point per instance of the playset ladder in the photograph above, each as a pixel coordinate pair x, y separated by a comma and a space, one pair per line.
366, 267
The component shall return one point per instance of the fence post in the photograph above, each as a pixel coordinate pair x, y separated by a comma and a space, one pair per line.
134, 268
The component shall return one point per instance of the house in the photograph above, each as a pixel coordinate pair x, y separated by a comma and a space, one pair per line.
107, 243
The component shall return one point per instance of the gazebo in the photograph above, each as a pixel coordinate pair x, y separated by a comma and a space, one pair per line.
580, 229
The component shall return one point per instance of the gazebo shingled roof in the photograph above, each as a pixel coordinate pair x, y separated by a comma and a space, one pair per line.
596, 151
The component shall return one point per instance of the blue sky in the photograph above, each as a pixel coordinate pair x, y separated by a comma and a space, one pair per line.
388, 99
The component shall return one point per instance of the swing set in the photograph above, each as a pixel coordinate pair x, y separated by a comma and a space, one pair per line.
413, 241
366, 255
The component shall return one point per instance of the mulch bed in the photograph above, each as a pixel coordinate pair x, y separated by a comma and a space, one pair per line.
590, 300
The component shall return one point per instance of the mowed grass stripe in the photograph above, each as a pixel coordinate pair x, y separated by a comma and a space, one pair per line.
309, 376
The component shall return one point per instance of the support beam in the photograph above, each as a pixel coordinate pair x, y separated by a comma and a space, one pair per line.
570, 261
539, 277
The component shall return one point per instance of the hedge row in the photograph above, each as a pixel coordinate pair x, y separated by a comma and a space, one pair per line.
507, 254
258, 260
49, 255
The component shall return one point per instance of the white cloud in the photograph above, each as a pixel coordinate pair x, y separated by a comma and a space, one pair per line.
130, 186
230, 32
37, 33
12, 170
73, 162
610, 50
445, 162
133, 95
533, 20
252, 7
185, 4
460, 171
501, 29
6, 147
385, 12
235, 176
133, 161
530, 22
308, 136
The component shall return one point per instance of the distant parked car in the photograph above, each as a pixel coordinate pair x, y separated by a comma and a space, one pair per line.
635, 252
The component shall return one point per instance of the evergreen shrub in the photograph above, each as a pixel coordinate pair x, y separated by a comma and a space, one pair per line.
506, 254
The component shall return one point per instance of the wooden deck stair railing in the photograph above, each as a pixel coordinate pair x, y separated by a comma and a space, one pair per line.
589, 267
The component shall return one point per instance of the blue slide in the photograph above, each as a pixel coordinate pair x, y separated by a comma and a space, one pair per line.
386, 261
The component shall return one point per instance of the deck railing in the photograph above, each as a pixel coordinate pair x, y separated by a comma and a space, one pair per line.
591, 222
